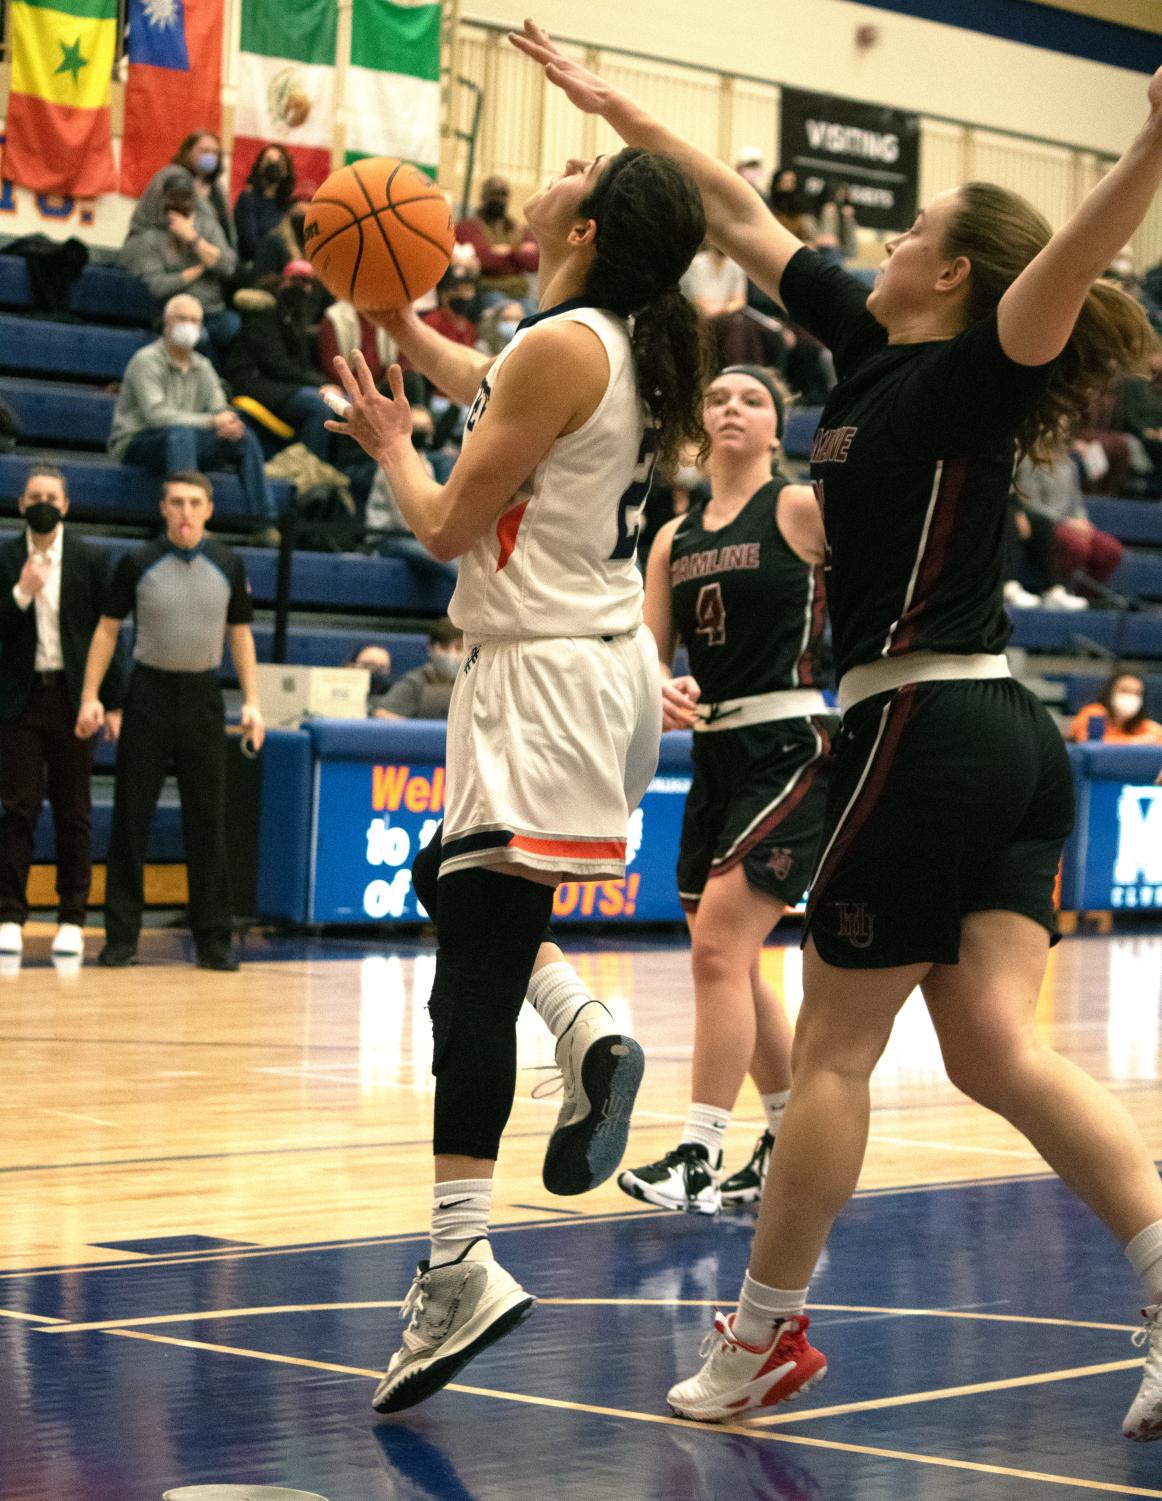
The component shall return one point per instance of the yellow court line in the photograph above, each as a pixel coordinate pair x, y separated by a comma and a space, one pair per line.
30, 1318
62, 1326
762, 1435
908, 1399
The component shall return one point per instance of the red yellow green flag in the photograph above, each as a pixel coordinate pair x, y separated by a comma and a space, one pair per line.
59, 135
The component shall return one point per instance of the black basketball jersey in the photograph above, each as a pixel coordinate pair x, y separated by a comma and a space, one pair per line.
749, 610
912, 464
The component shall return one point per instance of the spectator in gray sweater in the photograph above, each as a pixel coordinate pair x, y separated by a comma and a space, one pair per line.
172, 413
426, 692
1054, 492
182, 250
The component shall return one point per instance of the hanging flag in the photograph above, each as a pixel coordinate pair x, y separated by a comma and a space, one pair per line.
393, 86
174, 84
59, 136
286, 86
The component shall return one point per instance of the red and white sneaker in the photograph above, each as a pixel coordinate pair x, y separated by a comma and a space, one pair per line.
737, 1378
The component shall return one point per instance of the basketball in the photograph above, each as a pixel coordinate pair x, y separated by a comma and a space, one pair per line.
379, 233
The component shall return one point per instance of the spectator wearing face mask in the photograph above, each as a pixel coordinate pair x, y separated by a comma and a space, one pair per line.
172, 413
262, 204
271, 360
507, 253
200, 156
788, 204
1120, 714
426, 692
749, 167
497, 327
286, 243
377, 661
184, 250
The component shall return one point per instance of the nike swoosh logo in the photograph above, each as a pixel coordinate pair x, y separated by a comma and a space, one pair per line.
452, 1203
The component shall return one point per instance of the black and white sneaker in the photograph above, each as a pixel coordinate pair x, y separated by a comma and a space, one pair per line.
453, 1312
683, 1180
746, 1186
601, 1069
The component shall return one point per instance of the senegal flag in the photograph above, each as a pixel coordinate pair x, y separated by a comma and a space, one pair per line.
58, 131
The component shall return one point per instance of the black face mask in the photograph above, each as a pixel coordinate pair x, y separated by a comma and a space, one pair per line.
495, 208
421, 438
294, 299
380, 682
272, 172
42, 517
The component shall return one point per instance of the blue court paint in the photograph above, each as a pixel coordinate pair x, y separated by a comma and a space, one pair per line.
97, 1416
168, 1245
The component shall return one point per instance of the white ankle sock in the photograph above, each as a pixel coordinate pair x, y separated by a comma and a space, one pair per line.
460, 1210
706, 1126
557, 994
760, 1308
1145, 1256
773, 1107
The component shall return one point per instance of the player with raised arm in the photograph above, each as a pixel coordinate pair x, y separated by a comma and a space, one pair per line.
985, 336
739, 580
555, 719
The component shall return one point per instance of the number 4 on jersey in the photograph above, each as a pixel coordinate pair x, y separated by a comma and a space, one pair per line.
710, 613
634, 498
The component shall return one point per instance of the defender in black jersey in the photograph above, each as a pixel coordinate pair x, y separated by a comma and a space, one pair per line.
738, 581
985, 336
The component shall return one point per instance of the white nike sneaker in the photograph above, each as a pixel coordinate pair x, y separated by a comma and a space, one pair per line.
11, 938
69, 940
737, 1379
1144, 1419
683, 1180
454, 1311
602, 1071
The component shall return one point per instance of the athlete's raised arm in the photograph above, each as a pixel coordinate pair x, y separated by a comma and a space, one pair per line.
514, 429
451, 367
1035, 317
738, 220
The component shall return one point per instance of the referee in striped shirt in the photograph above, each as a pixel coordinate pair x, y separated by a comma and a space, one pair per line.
186, 592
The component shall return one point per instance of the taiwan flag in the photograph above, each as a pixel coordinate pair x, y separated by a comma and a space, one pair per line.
174, 85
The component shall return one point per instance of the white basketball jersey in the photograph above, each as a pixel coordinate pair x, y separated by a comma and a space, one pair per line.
561, 561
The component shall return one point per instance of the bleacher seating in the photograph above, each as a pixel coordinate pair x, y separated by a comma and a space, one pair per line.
1131, 521
59, 411
105, 293
41, 347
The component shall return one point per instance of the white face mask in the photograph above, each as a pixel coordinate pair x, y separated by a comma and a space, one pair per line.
185, 334
1126, 705
445, 664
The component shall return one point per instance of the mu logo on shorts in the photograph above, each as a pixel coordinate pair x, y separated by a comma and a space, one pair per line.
856, 924
780, 863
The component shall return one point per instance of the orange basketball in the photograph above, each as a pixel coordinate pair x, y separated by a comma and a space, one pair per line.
379, 233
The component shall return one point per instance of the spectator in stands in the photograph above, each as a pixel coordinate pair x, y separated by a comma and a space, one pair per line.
271, 359
498, 325
391, 536
182, 252
426, 692
1120, 711
836, 238
749, 166
508, 254
200, 157
1054, 492
262, 204
789, 206
1138, 412
342, 329
172, 413
1029, 561
51, 589
717, 288
377, 661
458, 305
187, 593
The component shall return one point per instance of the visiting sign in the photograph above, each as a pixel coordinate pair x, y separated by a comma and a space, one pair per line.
372, 819
875, 151
1120, 847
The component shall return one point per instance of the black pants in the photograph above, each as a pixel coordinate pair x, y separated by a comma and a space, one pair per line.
39, 752
172, 720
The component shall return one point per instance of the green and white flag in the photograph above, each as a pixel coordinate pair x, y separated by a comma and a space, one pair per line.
393, 84
286, 86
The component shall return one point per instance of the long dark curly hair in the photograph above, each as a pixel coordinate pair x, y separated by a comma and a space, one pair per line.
650, 224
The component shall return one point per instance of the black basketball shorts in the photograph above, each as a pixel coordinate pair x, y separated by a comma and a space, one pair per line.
946, 798
758, 799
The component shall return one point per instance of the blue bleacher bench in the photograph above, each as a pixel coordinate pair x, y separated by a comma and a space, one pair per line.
42, 347
1140, 574
104, 292
1136, 521
166, 845
59, 411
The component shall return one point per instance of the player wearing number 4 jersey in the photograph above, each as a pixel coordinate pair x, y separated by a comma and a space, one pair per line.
739, 580
986, 336
555, 718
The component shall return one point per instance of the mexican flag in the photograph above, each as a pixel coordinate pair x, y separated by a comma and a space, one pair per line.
286, 86
59, 138
393, 85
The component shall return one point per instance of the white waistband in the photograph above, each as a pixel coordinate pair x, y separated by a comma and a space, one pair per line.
890, 673
760, 708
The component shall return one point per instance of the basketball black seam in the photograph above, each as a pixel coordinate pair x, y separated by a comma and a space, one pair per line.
361, 218
383, 233
358, 262
419, 233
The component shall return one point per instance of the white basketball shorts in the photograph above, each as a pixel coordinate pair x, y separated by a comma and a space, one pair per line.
552, 742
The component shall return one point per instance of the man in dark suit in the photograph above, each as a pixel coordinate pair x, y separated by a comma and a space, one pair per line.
51, 587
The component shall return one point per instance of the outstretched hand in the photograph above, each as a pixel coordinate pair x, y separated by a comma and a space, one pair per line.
1153, 92
580, 86
376, 422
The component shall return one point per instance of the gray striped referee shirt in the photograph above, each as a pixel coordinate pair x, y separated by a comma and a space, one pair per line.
182, 600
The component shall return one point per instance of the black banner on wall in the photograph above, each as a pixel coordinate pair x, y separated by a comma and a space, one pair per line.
875, 151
